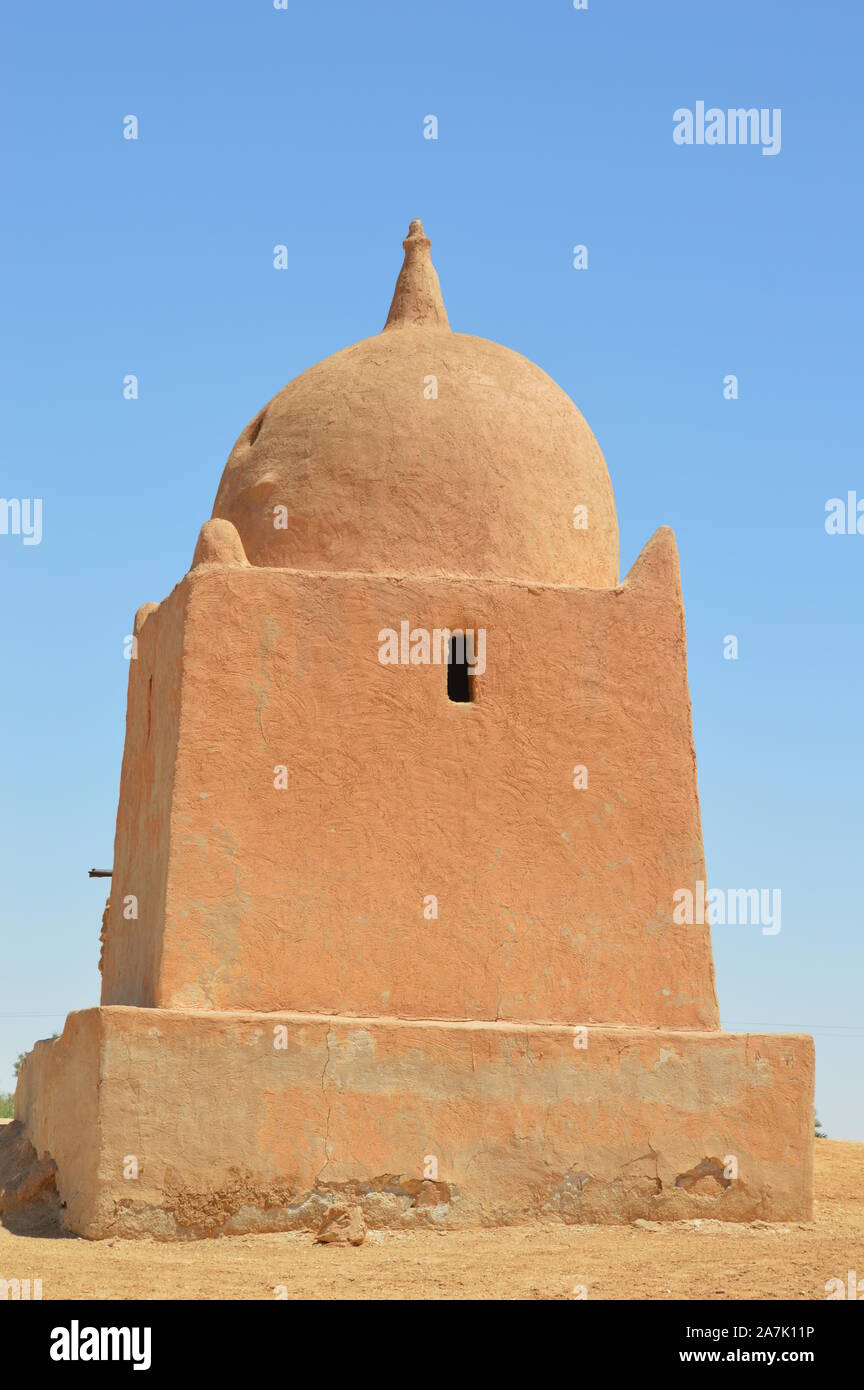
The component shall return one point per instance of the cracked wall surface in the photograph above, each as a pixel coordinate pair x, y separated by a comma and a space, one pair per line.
233, 1133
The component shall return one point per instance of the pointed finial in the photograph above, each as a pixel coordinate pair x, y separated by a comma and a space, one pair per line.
417, 298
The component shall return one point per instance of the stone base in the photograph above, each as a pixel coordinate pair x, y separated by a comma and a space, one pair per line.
261, 1122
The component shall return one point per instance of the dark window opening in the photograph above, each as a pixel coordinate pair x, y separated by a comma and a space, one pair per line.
458, 687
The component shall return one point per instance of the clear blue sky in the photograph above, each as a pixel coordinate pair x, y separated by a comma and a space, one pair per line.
304, 127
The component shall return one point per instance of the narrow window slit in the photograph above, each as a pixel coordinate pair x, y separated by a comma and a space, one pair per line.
458, 685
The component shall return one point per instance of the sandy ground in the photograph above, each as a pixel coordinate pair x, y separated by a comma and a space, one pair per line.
683, 1260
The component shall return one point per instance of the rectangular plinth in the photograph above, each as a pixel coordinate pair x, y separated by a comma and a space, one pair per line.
178, 1124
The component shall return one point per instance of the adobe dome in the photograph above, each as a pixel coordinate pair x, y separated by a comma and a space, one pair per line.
364, 468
